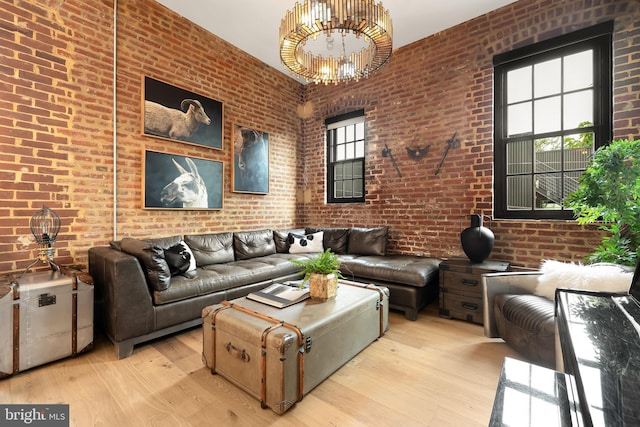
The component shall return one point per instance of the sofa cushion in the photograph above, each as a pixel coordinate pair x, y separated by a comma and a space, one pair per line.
602, 277
307, 243
402, 269
368, 241
211, 248
527, 323
251, 244
151, 256
336, 239
281, 239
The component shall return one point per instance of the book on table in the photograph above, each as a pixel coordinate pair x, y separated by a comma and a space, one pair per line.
280, 295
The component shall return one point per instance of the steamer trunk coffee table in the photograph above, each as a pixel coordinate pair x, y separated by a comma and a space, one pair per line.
278, 355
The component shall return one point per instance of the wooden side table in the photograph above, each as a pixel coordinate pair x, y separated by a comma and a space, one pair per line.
461, 287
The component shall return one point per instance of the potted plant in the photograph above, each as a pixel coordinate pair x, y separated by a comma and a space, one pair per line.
322, 271
609, 193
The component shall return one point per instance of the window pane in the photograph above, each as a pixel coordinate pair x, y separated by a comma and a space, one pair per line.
548, 191
519, 85
519, 157
338, 192
578, 71
578, 109
357, 169
578, 150
547, 115
358, 188
340, 152
548, 154
519, 119
350, 150
360, 130
340, 132
360, 149
338, 172
546, 78
347, 187
571, 180
519, 192
350, 132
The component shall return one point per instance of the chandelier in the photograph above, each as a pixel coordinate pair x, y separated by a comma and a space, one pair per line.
308, 47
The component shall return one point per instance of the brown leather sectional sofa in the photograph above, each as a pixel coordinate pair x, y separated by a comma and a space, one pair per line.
139, 299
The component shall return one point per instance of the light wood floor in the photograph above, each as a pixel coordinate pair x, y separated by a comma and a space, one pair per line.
432, 372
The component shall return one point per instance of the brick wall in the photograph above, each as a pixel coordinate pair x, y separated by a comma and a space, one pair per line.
56, 123
56, 127
441, 85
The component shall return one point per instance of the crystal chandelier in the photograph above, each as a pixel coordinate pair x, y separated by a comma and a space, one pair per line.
307, 39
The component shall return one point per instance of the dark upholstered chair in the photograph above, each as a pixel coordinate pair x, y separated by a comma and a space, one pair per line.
523, 320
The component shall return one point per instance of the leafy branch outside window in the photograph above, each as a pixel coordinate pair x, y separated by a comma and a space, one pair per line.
609, 193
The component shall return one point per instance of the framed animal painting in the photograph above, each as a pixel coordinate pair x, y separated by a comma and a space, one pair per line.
179, 182
177, 114
250, 173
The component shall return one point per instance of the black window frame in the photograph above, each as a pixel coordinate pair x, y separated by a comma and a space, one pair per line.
331, 157
600, 39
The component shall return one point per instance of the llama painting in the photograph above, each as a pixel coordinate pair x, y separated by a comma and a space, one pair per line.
179, 182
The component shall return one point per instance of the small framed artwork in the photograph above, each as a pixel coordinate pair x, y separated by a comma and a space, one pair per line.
180, 115
250, 173
179, 182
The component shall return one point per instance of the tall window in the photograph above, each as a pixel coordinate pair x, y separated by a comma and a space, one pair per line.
345, 158
552, 111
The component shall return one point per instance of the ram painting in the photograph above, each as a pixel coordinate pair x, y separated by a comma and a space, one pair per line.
179, 115
179, 182
250, 173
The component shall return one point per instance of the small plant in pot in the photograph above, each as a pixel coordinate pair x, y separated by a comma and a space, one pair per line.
322, 272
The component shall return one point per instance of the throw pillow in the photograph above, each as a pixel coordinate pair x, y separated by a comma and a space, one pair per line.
180, 260
152, 258
368, 241
594, 277
308, 243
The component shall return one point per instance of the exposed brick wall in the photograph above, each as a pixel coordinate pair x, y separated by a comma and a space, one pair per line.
56, 121
441, 85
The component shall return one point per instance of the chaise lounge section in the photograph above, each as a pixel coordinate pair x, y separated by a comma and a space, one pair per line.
146, 289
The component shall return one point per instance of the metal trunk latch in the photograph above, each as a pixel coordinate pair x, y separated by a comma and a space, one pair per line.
46, 299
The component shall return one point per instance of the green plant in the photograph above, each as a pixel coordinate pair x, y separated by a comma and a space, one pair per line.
609, 193
324, 263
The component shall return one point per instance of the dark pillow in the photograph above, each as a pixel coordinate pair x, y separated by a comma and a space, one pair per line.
251, 244
211, 248
335, 239
281, 239
152, 258
368, 241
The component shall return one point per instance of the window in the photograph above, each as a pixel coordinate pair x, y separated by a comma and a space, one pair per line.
345, 158
552, 111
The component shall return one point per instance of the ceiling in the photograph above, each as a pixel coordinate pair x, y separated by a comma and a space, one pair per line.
252, 25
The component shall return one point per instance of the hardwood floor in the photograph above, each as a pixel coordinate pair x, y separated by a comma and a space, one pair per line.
432, 372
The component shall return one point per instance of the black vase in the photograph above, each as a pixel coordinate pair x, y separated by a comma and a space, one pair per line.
477, 241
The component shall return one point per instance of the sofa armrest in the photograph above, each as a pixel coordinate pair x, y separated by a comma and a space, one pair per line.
122, 289
518, 282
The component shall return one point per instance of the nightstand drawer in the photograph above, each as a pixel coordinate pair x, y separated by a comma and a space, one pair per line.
462, 307
462, 283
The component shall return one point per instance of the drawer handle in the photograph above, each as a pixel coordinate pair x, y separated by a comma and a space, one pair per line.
238, 354
468, 282
470, 306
